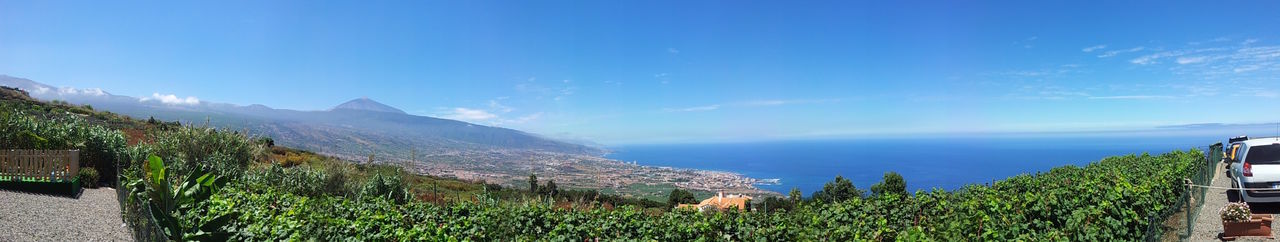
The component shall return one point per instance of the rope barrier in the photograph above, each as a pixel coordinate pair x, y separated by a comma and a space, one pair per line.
1192, 184
1234, 188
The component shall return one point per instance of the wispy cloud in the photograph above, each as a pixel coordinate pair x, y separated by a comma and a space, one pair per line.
693, 109
74, 91
1118, 52
171, 99
525, 119
753, 103
779, 102
673, 51
1093, 48
1248, 61
466, 114
566, 92
497, 106
555, 90
1191, 60
662, 77
1155, 58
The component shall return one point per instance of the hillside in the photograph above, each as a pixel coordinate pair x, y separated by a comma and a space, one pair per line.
351, 130
276, 193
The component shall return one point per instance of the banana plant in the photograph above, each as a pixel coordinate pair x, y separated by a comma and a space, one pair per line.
168, 205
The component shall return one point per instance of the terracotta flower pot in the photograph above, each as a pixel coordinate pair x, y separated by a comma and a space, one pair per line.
1260, 225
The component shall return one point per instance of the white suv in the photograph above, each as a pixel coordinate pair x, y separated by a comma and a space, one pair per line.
1257, 165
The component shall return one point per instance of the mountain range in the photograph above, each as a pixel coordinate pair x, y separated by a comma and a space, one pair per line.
351, 130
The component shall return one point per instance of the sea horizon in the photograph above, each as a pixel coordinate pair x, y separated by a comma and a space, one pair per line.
925, 163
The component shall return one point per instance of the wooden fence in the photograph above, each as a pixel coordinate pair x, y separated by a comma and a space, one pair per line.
39, 165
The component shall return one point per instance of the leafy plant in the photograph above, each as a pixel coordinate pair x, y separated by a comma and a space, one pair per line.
390, 187
88, 177
169, 205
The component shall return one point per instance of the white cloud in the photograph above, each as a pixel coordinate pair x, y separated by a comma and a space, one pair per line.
1249, 41
1117, 52
74, 91
171, 99
41, 90
1191, 60
93, 92
1153, 58
694, 109
467, 114
1093, 48
673, 51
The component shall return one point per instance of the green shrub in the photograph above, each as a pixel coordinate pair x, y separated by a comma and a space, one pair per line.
389, 186
191, 148
299, 180
335, 181
88, 177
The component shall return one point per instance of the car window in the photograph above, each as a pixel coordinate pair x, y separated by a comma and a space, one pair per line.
1235, 149
1263, 154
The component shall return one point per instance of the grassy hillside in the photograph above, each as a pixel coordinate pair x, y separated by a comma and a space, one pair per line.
257, 191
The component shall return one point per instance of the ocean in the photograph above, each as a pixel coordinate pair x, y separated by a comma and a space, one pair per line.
946, 163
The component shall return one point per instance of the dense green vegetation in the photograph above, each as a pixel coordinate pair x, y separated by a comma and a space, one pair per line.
270, 196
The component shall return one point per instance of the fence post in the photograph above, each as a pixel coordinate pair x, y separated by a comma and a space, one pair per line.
1190, 205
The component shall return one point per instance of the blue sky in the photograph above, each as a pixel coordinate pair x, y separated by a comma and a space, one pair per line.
653, 72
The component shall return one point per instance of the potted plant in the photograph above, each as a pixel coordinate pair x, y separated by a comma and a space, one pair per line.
1237, 221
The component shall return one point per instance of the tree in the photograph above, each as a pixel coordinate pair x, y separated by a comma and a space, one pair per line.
837, 190
550, 189
678, 196
795, 196
533, 183
892, 183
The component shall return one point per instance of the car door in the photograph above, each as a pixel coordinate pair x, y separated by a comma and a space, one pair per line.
1235, 169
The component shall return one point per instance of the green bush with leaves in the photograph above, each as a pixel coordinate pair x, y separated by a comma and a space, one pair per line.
390, 187
190, 148
172, 209
303, 181
88, 177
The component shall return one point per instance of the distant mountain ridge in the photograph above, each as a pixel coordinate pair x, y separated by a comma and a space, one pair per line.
351, 130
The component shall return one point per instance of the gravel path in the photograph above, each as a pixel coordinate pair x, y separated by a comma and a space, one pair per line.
1209, 225
95, 216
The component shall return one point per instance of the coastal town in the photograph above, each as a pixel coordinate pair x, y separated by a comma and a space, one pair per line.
512, 167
